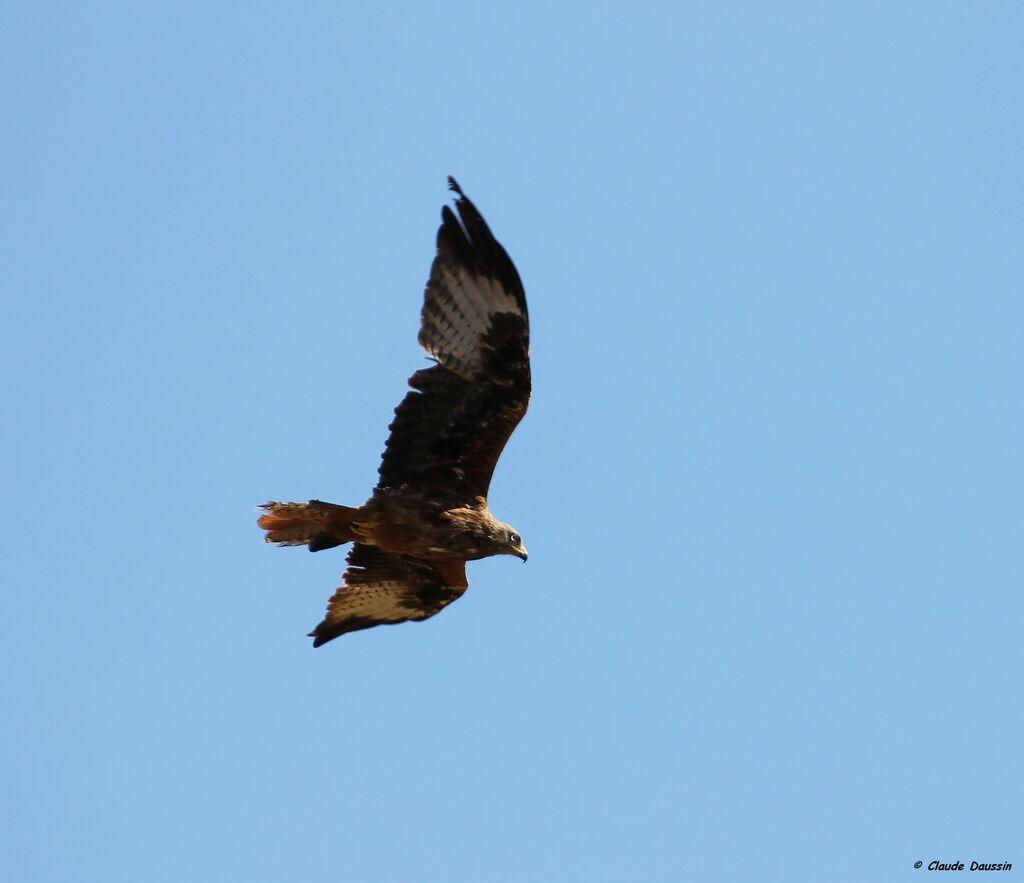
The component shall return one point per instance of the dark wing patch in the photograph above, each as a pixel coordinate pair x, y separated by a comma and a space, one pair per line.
452, 428
384, 589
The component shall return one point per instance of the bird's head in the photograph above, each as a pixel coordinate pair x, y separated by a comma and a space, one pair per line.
510, 543
476, 534
515, 545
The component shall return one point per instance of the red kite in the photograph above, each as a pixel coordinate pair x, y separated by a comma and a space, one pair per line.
428, 514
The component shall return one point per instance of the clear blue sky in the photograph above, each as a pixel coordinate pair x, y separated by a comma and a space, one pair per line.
771, 480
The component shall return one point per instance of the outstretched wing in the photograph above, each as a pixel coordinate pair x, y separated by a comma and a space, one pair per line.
450, 430
384, 589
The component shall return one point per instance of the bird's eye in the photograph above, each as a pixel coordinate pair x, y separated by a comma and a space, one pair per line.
514, 538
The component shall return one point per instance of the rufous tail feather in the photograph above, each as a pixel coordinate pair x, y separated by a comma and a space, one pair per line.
314, 524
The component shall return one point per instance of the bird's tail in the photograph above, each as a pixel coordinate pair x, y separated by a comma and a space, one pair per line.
314, 524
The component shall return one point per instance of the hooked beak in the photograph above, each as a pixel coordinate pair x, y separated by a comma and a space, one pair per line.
522, 555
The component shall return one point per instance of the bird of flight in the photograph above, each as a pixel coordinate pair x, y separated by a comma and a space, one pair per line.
428, 514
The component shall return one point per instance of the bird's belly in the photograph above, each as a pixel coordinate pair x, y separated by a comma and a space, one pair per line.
408, 526
402, 539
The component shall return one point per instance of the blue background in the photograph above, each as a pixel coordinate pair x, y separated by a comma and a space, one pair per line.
771, 479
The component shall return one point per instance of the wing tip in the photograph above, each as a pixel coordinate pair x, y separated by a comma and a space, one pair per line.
453, 185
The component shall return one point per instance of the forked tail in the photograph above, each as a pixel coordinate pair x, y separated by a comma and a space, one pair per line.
314, 524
